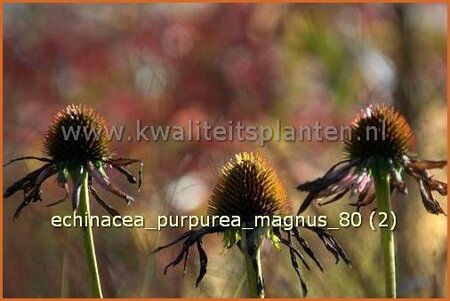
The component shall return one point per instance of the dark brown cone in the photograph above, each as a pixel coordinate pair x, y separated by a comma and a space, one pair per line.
91, 144
393, 137
248, 187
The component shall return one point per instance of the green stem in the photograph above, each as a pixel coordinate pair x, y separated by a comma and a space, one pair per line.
250, 246
84, 211
382, 191
64, 281
239, 287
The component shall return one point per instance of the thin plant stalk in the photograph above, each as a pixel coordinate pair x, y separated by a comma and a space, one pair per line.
382, 191
64, 277
239, 287
84, 210
250, 247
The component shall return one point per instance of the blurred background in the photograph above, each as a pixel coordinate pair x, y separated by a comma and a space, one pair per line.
167, 63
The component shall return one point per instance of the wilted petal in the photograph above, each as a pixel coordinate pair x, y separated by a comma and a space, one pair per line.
32, 189
438, 186
130, 178
103, 203
336, 197
42, 159
305, 246
185, 262
365, 197
291, 247
121, 162
431, 205
427, 164
427, 184
25, 202
331, 244
332, 176
299, 273
294, 253
191, 237
76, 193
332, 182
203, 261
397, 182
28, 180
104, 181
307, 201
62, 182
177, 240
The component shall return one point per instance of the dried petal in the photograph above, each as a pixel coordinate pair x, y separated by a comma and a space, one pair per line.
191, 237
324, 186
431, 205
27, 181
298, 272
42, 159
203, 261
121, 162
288, 243
103, 203
336, 197
418, 170
427, 164
76, 193
104, 181
124, 171
331, 244
32, 189
305, 246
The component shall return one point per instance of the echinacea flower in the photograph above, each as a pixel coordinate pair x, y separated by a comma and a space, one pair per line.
380, 135
249, 187
76, 142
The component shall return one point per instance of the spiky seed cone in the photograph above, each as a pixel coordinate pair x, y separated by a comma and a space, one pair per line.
396, 141
91, 144
248, 187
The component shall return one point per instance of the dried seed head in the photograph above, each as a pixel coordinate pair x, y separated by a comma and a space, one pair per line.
379, 132
249, 187
78, 135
